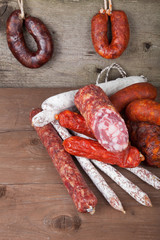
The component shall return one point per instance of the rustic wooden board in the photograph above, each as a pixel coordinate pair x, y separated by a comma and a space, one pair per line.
75, 62
34, 204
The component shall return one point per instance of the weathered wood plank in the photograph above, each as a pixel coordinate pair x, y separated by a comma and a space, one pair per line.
75, 62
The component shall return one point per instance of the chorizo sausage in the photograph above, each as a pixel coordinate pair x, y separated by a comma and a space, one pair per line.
120, 34
88, 148
83, 197
74, 121
146, 137
144, 110
102, 118
126, 95
17, 45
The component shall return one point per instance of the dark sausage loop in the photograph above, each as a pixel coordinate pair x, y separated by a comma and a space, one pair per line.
17, 44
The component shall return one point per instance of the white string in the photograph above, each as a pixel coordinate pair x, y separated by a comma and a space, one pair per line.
105, 4
20, 3
108, 68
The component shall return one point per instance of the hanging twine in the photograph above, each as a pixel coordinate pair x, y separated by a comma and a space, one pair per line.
109, 10
108, 68
20, 3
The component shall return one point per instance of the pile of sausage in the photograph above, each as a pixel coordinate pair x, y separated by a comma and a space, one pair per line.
109, 133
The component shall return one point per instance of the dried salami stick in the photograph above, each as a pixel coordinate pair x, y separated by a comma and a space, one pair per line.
133, 190
82, 196
146, 176
92, 172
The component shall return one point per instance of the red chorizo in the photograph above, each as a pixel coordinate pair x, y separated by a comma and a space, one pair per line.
135, 91
74, 121
146, 137
83, 197
144, 110
88, 148
17, 45
102, 118
120, 34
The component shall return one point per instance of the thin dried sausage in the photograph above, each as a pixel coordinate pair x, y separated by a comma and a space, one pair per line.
83, 197
74, 121
128, 94
102, 118
17, 45
120, 34
88, 148
144, 110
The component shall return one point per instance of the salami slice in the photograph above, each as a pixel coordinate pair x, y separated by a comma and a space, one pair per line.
102, 118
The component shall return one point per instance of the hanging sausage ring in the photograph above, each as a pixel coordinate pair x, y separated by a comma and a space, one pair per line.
38, 31
119, 29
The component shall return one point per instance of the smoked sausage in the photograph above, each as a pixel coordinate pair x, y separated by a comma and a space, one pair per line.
82, 196
17, 45
146, 137
144, 110
102, 118
120, 34
74, 122
135, 91
88, 148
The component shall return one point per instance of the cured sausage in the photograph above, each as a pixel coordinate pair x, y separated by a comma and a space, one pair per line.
136, 91
82, 196
145, 110
17, 45
102, 118
74, 121
88, 148
92, 172
120, 34
146, 137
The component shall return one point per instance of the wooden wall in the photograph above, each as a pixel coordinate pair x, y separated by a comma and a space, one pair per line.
75, 62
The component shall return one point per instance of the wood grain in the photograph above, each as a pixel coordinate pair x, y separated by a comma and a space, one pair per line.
75, 62
34, 204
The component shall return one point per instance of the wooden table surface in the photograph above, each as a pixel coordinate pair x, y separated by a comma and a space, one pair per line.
34, 204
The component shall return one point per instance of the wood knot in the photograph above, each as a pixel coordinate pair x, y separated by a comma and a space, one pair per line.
64, 223
146, 46
34, 141
3, 190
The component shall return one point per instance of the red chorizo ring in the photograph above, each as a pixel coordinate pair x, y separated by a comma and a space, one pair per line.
145, 110
88, 148
74, 122
82, 196
17, 45
102, 118
120, 34
136, 91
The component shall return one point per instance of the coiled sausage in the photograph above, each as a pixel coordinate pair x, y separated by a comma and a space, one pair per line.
144, 110
17, 45
135, 91
120, 34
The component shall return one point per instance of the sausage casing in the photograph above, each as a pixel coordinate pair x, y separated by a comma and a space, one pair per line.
88, 148
17, 44
120, 34
102, 118
83, 197
135, 91
144, 110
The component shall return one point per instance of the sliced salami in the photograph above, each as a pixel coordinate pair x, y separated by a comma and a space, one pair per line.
102, 118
